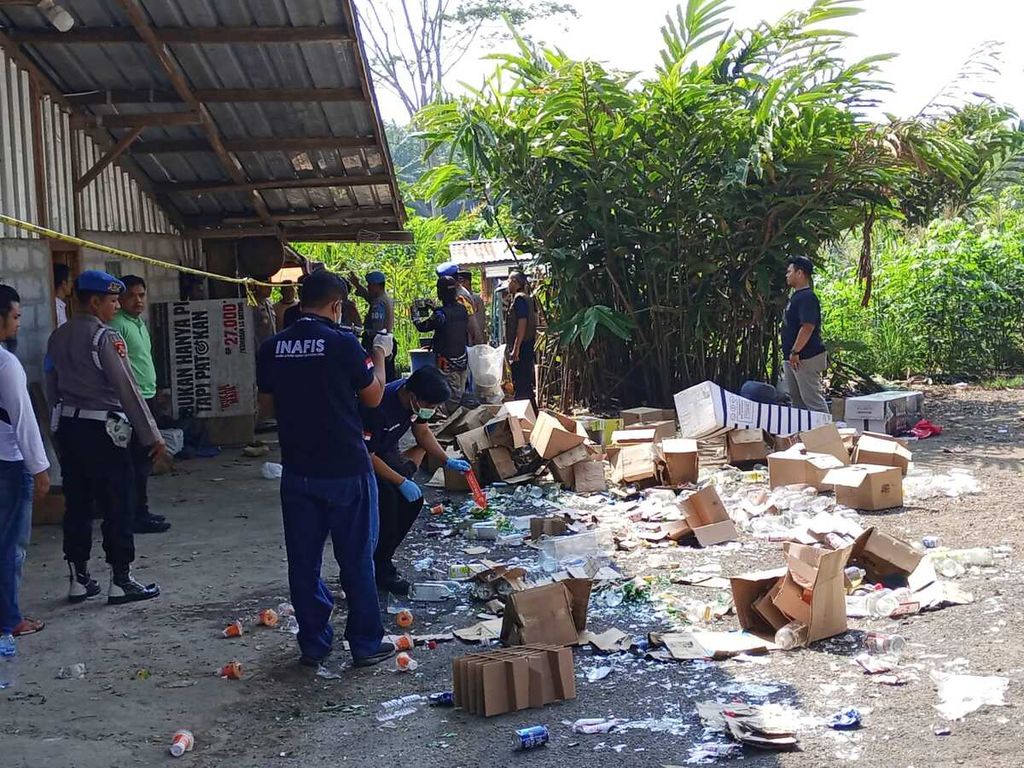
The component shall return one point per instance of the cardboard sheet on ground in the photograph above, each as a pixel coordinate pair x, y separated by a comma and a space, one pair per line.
709, 644
763, 726
609, 641
480, 632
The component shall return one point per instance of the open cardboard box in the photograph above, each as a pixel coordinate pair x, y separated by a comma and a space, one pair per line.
826, 439
745, 445
553, 434
588, 477
794, 467
706, 515
707, 410
867, 487
506, 431
820, 572
521, 409
882, 452
748, 590
679, 460
644, 415
886, 559
634, 464
553, 614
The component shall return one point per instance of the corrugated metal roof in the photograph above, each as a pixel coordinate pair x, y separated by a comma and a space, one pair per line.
88, 60
469, 253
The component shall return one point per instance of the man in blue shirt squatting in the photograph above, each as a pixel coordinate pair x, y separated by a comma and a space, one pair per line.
313, 376
406, 405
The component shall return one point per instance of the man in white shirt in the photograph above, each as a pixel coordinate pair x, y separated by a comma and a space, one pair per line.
61, 291
23, 464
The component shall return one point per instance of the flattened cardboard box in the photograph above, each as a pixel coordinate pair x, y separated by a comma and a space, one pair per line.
553, 614
680, 461
746, 445
707, 516
882, 452
862, 486
706, 410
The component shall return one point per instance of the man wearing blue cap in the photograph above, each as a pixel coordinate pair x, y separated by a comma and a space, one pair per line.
88, 374
464, 299
380, 317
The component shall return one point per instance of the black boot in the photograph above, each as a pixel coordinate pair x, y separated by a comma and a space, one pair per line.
81, 586
125, 589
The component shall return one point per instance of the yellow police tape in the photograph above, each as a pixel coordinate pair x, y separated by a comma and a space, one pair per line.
28, 226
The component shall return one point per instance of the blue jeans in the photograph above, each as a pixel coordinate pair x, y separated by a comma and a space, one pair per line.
345, 508
15, 527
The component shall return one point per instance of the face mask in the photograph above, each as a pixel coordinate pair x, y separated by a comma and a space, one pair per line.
426, 414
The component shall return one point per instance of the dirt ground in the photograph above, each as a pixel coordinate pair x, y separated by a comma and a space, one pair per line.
150, 667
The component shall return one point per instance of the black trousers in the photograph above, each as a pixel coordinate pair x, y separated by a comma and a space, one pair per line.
396, 520
524, 380
142, 467
97, 475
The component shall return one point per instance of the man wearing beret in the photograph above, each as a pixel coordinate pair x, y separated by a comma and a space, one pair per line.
88, 374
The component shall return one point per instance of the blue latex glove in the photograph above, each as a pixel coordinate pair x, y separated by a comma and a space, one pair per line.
457, 465
410, 491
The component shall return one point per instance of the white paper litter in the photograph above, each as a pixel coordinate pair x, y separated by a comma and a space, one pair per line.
959, 695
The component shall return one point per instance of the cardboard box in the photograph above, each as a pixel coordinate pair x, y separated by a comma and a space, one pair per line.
634, 435
706, 410
882, 405
643, 415
862, 486
883, 557
679, 460
514, 679
747, 590
894, 425
553, 434
455, 481
706, 515
498, 464
546, 526
794, 467
521, 409
746, 445
506, 431
826, 439
589, 477
574, 456
553, 614
821, 572
634, 464
882, 452
471, 443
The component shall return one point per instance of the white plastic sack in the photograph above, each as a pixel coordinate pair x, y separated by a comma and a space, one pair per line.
175, 440
487, 364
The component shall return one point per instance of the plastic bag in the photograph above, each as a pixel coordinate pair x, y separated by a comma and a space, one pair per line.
487, 364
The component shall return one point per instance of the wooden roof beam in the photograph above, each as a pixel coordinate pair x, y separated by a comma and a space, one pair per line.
137, 17
255, 145
366, 234
148, 120
182, 35
314, 182
342, 216
216, 96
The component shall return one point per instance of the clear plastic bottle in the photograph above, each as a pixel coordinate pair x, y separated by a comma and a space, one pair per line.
791, 636
394, 709
878, 643
881, 603
948, 568
8, 662
974, 556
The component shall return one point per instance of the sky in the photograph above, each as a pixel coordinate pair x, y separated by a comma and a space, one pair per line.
932, 38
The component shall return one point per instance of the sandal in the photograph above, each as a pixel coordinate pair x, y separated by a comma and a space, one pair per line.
28, 627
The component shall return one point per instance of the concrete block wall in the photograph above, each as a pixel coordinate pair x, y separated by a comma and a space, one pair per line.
25, 265
161, 283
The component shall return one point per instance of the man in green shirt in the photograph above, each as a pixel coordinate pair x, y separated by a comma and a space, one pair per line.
130, 324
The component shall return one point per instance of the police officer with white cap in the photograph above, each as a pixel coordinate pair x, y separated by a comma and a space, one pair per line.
88, 373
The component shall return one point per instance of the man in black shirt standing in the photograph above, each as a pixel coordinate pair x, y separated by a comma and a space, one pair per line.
802, 347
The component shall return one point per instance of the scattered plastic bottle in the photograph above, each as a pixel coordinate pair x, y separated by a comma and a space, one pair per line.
182, 742
394, 709
791, 636
948, 568
975, 556
881, 603
8, 662
879, 643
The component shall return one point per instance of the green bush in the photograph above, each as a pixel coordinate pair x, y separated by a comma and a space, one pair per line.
947, 299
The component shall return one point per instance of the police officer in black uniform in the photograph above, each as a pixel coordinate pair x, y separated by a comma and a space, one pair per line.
451, 327
88, 375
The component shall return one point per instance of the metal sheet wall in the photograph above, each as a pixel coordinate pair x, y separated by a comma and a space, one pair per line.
113, 202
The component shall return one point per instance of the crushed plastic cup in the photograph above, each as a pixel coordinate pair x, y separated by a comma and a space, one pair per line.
285, 609
231, 671
404, 618
290, 625
182, 742
405, 663
268, 617
404, 643
234, 629
271, 471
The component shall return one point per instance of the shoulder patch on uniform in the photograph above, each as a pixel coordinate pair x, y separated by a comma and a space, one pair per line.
119, 345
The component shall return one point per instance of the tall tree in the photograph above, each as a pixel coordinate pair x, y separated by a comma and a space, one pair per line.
413, 45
